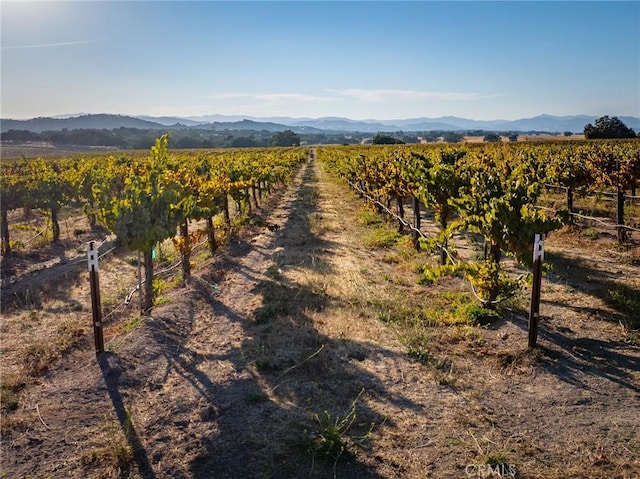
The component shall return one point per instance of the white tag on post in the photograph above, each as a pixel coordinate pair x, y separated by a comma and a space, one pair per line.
538, 247
92, 256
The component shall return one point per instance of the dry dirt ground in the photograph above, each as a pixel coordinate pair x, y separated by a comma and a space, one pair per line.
287, 356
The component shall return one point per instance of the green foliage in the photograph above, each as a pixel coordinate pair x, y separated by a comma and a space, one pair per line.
490, 283
627, 301
145, 213
330, 437
492, 138
498, 201
431, 275
381, 139
475, 314
606, 127
382, 237
285, 138
453, 137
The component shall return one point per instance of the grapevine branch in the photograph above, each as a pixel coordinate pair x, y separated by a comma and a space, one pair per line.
423, 236
401, 220
593, 218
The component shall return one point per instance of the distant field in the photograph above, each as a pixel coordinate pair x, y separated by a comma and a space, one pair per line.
39, 149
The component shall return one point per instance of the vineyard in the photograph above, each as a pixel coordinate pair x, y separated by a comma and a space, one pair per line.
352, 311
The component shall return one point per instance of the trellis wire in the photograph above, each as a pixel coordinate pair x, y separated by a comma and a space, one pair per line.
423, 236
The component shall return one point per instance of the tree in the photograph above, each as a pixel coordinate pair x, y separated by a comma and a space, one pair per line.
492, 138
285, 138
606, 127
381, 139
453, 137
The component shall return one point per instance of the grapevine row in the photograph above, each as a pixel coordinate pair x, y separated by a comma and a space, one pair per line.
493, 190
145, 198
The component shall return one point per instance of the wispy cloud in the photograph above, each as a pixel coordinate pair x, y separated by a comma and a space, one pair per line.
46, 45
382, 95
272, 97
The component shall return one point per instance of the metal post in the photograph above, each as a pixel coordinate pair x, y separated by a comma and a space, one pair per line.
139, 281
534, 314
92, 257
416, 222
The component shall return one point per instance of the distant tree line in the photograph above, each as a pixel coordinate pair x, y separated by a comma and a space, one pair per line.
137, 138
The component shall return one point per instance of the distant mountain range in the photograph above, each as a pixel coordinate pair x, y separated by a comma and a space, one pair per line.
541, 123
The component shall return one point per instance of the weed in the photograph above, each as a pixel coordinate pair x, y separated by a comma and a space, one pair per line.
330, 438
38, 357
368, 217
8, 398
381, 237
496, 459
132, 324
256, 398
116, 452
274, 271
591, 234
269, 311
627, 301
159, 287
417, 346
474, 314
69, 335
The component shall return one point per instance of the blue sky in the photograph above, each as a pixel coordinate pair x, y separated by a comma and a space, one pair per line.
361, 60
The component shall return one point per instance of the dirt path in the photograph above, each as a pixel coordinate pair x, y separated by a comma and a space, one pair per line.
276, 347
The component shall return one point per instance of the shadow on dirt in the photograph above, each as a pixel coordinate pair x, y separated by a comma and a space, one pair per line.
574, 359
289, 402
599, 283
112, 374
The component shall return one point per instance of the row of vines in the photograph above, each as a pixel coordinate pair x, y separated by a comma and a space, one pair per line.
492, 190
145, 199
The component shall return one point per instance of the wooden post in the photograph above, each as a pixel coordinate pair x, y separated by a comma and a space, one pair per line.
96, 309
534, 314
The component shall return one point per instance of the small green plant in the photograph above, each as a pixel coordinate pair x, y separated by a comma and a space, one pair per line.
159, 287
496, 459
8, 398
132, 324
369, 217
38, 357
16, 244
591, 234
265, 313
627, 301
417, 343
475, 314
274, 271
330, 437
382, 237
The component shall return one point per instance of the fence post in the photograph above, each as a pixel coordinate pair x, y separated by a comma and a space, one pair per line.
534, 314
96, 309
416, 223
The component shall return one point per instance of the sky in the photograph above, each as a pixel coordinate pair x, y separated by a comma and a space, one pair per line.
361, 60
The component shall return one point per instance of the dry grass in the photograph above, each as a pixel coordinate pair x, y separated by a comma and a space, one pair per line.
318, 355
